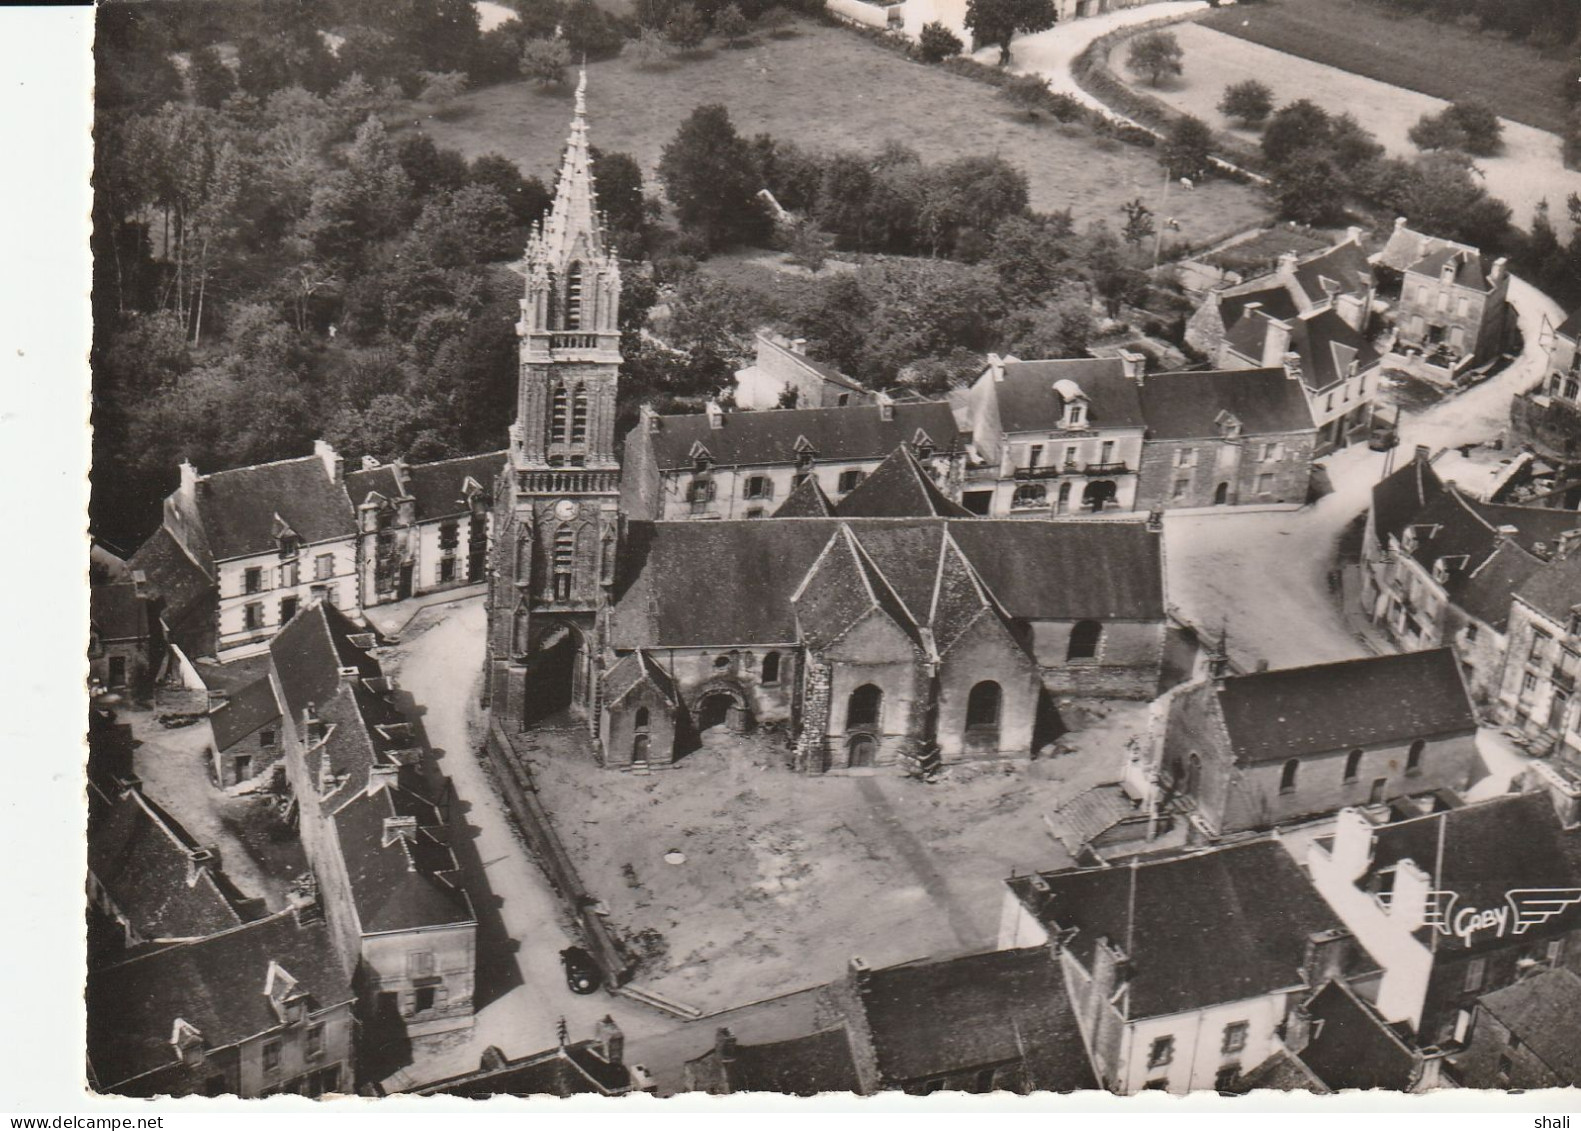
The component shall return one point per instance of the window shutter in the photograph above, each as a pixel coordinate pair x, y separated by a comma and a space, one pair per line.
768, 488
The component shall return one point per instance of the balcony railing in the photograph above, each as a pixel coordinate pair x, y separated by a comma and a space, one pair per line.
1053, 471
1565, 681
562, 341
1117, 468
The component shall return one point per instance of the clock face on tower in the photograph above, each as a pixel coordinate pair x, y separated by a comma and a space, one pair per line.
565, 510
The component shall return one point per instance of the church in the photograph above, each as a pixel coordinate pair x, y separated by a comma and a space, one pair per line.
888, 628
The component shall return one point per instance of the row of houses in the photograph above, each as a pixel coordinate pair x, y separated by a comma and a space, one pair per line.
200, 989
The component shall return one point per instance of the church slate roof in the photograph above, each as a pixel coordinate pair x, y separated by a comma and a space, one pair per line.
852, 432
1186, 406
1204, 928
1275, 715
239, 507
899, 487
1047, 570
215, 984
1028, 402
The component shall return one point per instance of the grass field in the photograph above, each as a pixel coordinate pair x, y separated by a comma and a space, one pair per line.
1432, 56
827, 88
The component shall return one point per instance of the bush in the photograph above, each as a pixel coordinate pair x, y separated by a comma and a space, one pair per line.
731, 26
685, 28
1188, 149
1250, 101
545, 60
938, 43
649, 51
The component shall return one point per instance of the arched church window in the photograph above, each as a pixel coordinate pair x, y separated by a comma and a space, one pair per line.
519, 631
771, 668
864, 708
564, 562
558, 411
573, 297
579, 416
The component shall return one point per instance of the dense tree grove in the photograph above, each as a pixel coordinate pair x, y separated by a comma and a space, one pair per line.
273, 264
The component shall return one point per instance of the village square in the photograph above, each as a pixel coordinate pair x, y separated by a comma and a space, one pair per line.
1023, 545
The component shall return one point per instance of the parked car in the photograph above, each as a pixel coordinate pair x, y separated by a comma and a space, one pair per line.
581, 972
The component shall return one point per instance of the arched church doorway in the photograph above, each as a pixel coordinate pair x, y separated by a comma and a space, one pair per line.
551, 676
1099, 494
717, 709
860, 750
1221, 494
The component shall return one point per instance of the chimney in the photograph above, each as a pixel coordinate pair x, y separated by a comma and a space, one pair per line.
312, 725
369, 463
1292, 363
649, 418
724, 1046
1324, 956
1497, 273
1446, 273
302, 899
1351, 850
1563, 787
1353, 234
1567, 544
1277, 343
1287, 263
189, 479
1424, 454
1399, 223
611, 1041
1134, 364
886, 406
334, 464
716, 415
1298, 1029
1155, 520
859, 972
996, 366
383, 775
798, 346
199, 860
399, 828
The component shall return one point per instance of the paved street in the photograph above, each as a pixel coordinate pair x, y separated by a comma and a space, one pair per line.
522, 990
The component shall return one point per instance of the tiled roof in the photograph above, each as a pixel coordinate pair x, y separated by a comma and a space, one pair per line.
438, 487
1327, 345
117, 612
1484, 851
1354, 1047
854, 432
898, 488
1281, 1072
1344, 263
1046, 570
574, 1070
252, 707
1554, 589
1544, 1011
806, 500
931, 1018
383, 480
173, 577
1397, 499
215, 985
1090, 814
1028, 402
797, 1066
308, 653
1274, 715
1406, 247
143, 859
1571, 326
1201, 929
1272, 300
1186, 406
1468, 267
1485, 593
242, 509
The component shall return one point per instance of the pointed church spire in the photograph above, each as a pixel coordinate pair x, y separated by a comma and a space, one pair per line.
572, 229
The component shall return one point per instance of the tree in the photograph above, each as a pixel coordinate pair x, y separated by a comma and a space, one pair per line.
731, 25
539, 19
1115, 276
590, 32
649, 51
1250, 101
211, 80
1061, 329
1188, 152
526, 197
712, 181
1030, 255
686, 28
1300, 125
1466, 125
937, 43
620, 192
545, 60
429, 168
1441, 194
999, 21
1310, 190
441, 88
809, 245
1139, 224
1352, 143
1156, 54
1437, 132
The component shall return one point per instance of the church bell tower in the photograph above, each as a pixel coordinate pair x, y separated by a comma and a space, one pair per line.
556, 506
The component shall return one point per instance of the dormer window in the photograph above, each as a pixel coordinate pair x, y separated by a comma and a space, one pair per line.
805, 453
1075, 415
290, 545
702, 459
1229, 425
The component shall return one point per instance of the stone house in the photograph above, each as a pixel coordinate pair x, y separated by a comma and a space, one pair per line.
1225, 438
1455, 903
719, 465
1270, 748
1439, 567
594, 1067
1451, 301
806, 1065
1337, 366
1537, 693
782, 365
244, 733
1054, 437
374, 828
122, 634
1547, 417
422, 528
1338, 278
256, 1010
1526, 1035
1182, 969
